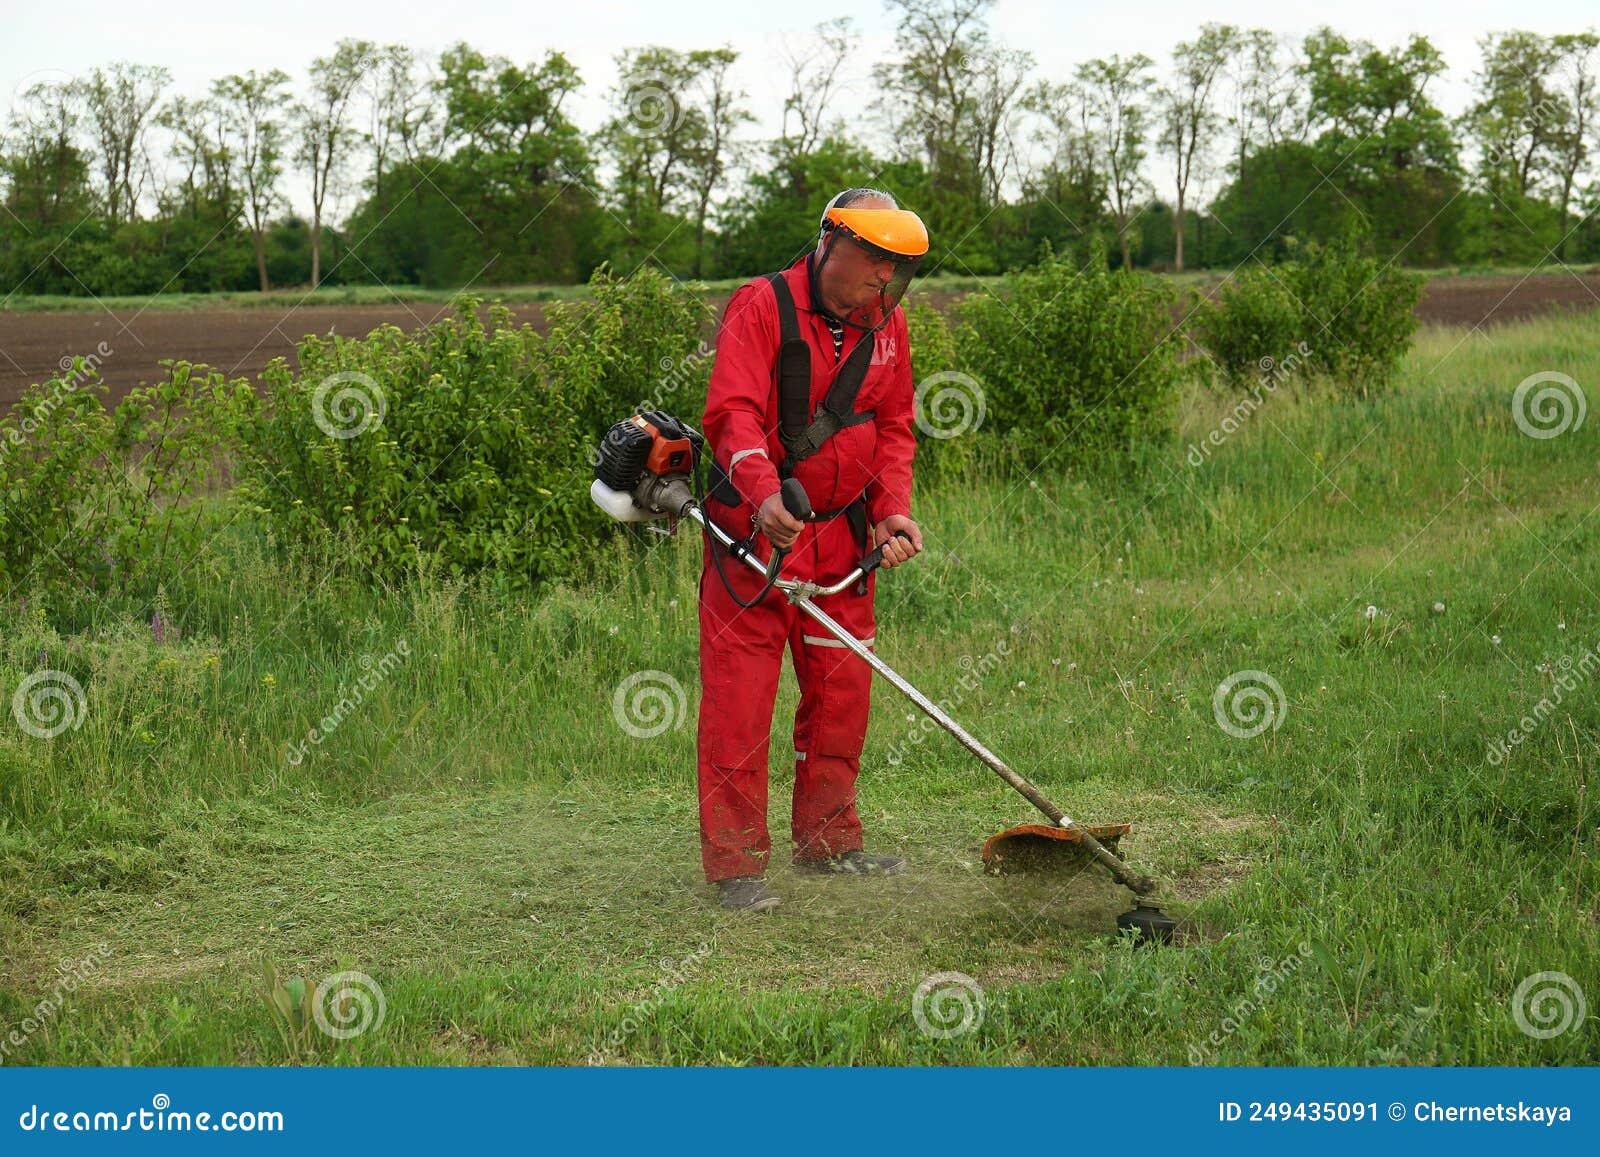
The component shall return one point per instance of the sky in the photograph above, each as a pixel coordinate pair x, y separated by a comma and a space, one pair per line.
199, 41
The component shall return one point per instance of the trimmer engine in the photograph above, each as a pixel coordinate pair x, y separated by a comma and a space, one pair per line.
645, 468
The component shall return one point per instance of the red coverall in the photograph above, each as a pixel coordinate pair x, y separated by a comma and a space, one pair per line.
741, 651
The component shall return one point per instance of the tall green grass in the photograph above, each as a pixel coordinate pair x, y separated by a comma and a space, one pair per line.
520, 874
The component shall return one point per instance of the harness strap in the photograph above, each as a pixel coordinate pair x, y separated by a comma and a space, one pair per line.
801, 432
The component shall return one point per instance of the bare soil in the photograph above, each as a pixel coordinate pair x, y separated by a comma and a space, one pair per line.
242, 341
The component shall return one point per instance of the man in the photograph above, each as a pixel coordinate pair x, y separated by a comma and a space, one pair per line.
827, 334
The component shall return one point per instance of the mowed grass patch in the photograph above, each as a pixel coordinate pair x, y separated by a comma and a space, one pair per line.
519, 873
553, 885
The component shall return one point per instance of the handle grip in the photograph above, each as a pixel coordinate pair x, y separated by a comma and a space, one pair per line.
795, 499
798, 503
875, 559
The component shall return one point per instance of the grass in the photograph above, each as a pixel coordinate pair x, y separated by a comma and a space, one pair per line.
520, 876
338, 295
289, 298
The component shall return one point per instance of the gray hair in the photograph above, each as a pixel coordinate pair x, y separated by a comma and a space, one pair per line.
848, 197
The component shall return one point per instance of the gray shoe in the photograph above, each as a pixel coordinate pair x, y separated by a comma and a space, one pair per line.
746, 894
856, 863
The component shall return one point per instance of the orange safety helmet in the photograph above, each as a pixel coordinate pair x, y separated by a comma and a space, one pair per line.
897, 233
894, 235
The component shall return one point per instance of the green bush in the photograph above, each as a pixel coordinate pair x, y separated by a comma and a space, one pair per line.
1083, 359
1336, 311
471, 442
933, 362
450, 441
1360, 311
636, 345
99, 499
1250, 326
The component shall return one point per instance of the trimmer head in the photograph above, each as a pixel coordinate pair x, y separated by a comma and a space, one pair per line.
1039, 848
1149, 924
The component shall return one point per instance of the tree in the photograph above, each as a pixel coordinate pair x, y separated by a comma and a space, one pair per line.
1115, 95
47, 173
774, 218
520, 170
1267, 113
1578, 86
404, 122
1513, 121
1381, 136
999, 79
1278, 199
949, 98
322, 121
761, 220
925, 92
814, 69
119, 101
657, 134
1267, 94
1188, 118
718, 105
251, 110
1063, 202
200, 144
1513, 118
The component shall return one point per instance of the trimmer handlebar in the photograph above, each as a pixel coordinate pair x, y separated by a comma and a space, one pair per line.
798, 503
875, 559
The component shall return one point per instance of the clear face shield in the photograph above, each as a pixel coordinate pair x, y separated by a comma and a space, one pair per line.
866, 263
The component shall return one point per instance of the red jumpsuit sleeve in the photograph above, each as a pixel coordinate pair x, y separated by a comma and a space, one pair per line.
890, 492
736, 418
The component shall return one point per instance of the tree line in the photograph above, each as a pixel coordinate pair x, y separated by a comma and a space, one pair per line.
468, 168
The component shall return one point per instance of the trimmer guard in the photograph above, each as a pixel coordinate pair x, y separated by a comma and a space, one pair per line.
1034, 848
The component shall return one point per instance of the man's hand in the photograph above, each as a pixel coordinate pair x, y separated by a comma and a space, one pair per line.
897, 550
775, 521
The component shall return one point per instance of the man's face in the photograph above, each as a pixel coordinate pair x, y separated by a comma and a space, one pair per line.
851, 279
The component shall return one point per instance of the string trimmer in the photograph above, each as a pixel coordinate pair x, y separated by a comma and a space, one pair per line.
648, 468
